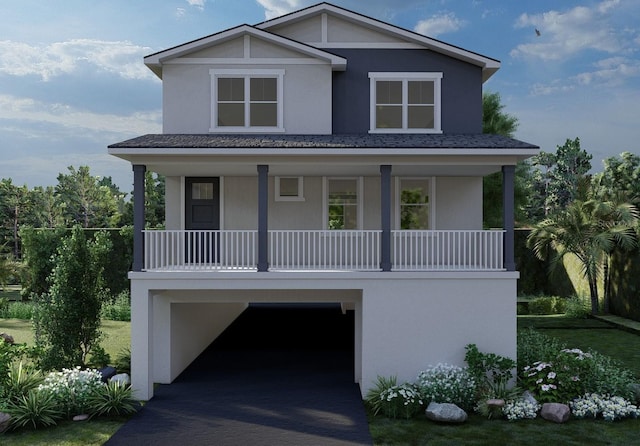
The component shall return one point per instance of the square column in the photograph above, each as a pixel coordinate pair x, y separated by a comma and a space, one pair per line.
508, 216
263, 218
139, 171
385, 217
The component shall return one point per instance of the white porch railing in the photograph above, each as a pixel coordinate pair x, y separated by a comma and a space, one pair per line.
177, 250
447, 250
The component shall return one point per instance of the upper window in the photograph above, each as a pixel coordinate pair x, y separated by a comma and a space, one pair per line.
246, 100
414, 204
405, 102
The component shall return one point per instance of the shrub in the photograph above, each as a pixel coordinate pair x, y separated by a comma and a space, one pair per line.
118, 309
19, 381
447, 384
611, 408
72, 388
605, 375
535, 346
373, 398
547, 305
36, 408
99, 358
400, 401
522, 309
16, 310
578, 307
492, 373
520, 409
123, 361
112, 399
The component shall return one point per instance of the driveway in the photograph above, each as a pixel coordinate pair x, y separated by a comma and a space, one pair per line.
280, 375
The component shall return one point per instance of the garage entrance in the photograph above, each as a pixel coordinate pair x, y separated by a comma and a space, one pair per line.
279, 374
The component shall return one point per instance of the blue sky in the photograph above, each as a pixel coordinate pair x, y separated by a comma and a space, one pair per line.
72, 80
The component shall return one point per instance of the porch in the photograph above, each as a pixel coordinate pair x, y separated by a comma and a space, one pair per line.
323, 250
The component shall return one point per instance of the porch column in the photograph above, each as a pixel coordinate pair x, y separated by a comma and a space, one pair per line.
263, 217
508, 215
138, 216
385, 217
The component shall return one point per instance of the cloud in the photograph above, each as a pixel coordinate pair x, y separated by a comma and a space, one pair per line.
439, 24
607, 73
17, 109
276, 8
197, 4
564, 34
59, 58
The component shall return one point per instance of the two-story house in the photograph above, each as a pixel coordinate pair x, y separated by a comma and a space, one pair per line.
323, 156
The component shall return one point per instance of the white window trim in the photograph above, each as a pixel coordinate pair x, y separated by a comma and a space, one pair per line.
246, 74
325, 201
404, 77
299, 197
432, 200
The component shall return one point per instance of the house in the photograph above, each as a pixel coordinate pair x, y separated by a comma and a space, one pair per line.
323, 156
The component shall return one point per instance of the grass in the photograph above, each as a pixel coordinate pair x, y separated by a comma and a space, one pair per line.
576, 333
117, 336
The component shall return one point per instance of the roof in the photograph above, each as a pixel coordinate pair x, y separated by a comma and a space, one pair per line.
283, 141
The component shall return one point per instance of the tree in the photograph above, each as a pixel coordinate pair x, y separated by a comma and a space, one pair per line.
496, 121
13, 204
560, 178
590, 230
154, 189
67, 319
620, 176
85, 201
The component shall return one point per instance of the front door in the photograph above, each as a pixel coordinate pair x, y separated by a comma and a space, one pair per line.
202, 209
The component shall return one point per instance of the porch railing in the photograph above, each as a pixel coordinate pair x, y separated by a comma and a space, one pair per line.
185, 250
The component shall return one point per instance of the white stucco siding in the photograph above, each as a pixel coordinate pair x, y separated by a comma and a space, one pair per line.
458, 203
173, 202
409, 325
187, 97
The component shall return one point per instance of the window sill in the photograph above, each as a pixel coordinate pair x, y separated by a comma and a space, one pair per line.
407, 131
247, 130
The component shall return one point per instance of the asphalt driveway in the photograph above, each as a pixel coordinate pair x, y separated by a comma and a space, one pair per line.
280, 375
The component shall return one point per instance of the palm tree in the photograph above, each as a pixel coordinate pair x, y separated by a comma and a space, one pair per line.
590, 230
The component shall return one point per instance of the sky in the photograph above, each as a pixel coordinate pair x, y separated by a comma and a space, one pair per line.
73, 81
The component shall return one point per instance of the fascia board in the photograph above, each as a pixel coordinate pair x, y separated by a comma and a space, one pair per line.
155, 61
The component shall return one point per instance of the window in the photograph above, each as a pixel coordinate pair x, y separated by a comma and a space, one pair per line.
342, 203
246, 100
289, 189
202, 191
405, 102
413, 203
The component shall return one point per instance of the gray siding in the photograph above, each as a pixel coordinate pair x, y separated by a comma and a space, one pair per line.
461, 87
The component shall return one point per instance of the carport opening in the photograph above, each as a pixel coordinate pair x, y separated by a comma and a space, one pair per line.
293, 326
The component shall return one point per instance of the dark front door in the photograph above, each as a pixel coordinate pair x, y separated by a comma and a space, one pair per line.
202, 211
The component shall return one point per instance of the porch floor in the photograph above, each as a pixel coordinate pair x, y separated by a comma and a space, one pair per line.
279, 375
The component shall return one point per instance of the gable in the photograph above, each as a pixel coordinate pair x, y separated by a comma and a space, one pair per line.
329, 30
342, 28
246, 47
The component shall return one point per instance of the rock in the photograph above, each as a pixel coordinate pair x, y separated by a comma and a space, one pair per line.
5, 420
495, 403
7, 338
122, 378
107, 373
82, 417
556, 412
529, 398
445, 413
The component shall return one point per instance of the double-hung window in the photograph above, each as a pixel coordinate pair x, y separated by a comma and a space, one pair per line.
414, 204
405, 102
246, 100
342, 207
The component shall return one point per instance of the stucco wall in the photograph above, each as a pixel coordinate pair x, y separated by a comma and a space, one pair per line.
187, 97
458, 203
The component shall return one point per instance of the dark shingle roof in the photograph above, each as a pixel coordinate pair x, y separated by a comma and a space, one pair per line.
368, 141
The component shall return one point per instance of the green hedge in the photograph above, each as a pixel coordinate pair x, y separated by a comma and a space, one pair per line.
625, 285
39, 246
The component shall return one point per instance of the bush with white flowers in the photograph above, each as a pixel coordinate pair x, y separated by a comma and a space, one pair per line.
72, 388
611, 408
400, 401
447, 383
520, 409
